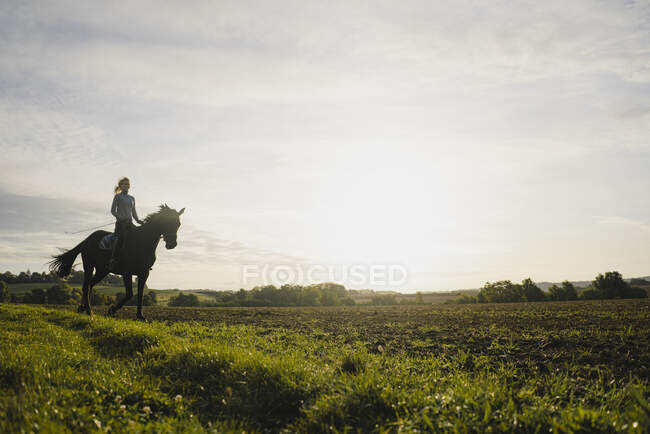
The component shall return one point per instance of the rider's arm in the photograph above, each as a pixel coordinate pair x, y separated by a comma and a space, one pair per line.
135, 213
114, 206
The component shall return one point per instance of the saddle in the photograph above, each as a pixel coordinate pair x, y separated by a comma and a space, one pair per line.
108, 242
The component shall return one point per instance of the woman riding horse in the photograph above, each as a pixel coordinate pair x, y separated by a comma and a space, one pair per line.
137, 258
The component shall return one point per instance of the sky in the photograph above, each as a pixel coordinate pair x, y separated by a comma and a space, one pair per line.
456, 142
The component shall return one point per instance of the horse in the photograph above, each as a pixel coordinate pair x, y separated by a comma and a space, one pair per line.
137, 257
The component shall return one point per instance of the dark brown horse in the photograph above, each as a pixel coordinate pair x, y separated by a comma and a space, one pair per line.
138, 256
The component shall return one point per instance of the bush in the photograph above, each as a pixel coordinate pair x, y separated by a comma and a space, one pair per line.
148, 299
383, 300
592, 294
35, 296
62, 294
466, 299
184, 300
4, 291
101, 299
636, 292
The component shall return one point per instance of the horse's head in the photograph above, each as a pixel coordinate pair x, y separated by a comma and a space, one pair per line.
169, 223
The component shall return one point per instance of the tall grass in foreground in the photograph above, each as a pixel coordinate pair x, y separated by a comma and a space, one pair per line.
61, 371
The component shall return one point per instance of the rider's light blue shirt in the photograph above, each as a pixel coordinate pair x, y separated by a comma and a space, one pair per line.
123, 207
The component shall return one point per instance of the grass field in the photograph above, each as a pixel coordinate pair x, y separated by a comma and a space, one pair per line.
541, 367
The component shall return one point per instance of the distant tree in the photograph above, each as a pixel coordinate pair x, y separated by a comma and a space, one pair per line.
531, 291
241, 295
184, 300
611, 285
569, 290
591, 294
4, 292
639, 282
502, 291
419, 299
23, 277
332, 294
310, 296
8, 277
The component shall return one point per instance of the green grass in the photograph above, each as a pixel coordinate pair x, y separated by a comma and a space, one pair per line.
60, 371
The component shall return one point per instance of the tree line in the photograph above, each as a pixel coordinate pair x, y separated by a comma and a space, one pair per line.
59, 293
76, 276
320, 294
605, 286
62, 293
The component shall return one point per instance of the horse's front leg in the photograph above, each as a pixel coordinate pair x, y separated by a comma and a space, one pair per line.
142, 279
128, 286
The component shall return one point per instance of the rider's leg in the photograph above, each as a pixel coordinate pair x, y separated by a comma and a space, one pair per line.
120, 229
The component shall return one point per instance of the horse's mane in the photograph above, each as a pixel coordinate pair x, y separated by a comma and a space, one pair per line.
163, 210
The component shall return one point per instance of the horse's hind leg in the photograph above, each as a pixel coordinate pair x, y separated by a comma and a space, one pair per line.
99, 275
85, 297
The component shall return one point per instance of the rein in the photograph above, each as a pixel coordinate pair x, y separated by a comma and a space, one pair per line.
89, 229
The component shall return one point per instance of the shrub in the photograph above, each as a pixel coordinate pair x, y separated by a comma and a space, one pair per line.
592, 294
35, 296
4, 291
383, 300
466, 299
101, 299
148, 299
184, 300
62, 294
353, 363
636, 292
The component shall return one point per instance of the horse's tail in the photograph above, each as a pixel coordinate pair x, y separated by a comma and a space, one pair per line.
62, 264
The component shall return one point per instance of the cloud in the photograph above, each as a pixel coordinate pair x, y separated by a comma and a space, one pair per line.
638, 225
635, 112
31, 214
